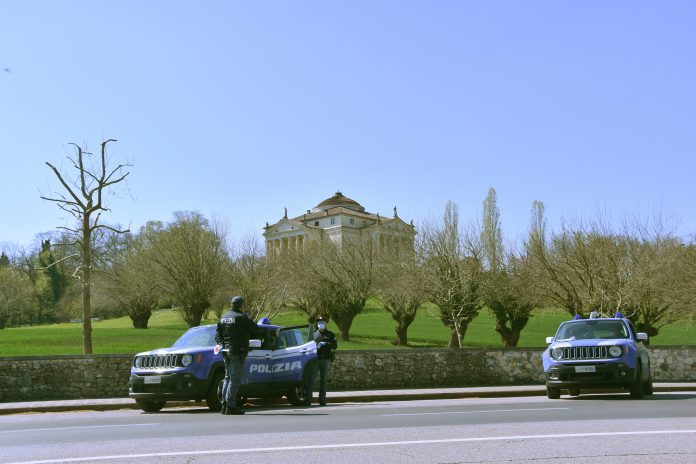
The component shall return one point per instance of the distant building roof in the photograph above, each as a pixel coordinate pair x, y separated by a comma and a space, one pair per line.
338, 200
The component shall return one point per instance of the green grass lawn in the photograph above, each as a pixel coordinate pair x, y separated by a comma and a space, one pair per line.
372, 329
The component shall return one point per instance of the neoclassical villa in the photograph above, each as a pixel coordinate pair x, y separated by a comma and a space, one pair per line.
337, 219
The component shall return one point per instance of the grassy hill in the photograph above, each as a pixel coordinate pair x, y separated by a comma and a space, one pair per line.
372, 329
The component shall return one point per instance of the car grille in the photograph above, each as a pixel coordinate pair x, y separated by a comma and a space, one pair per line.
158, 361
586, 352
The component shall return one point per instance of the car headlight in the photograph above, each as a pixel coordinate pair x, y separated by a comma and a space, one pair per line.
138, 362
557, 353
615, 351
186, 360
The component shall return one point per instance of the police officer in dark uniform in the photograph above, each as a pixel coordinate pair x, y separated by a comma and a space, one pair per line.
326, 344
232, 334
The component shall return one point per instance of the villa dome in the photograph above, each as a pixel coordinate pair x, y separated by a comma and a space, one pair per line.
339, 200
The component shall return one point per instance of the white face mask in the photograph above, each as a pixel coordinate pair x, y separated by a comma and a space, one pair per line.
321, 326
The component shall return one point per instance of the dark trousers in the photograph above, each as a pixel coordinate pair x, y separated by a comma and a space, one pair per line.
234, 371
321, 367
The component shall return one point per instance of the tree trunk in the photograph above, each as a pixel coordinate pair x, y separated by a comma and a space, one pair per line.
457, 335
344, 322
402, 329
86, 285
141, 319
194, 315
401, 335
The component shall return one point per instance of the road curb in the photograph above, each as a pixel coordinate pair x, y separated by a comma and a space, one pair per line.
332, 397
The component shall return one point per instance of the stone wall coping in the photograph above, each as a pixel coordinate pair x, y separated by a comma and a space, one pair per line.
381, 351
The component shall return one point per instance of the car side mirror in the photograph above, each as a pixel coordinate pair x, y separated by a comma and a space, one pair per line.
549, 340
254, 344
641, 336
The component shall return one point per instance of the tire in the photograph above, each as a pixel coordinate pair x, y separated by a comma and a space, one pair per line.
553, 393
214, 397
574, 392
150, 406
648, 386
637, 385
296, 395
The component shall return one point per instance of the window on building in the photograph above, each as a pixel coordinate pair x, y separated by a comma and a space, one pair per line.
352, 221
316, 223
333, 221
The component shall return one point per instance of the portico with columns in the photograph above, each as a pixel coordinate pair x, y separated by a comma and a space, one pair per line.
338, 219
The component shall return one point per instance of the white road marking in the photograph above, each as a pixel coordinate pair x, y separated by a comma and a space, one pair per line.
51, 429
472, 412
355, 445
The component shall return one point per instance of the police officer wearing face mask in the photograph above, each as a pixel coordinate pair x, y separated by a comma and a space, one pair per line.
326, 344
232, 334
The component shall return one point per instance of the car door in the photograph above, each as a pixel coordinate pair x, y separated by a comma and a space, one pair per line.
258, 367
294, 348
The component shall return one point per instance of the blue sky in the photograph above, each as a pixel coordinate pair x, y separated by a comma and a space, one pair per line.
239, 109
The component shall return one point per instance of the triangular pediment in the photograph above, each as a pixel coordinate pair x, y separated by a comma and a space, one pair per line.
283, 226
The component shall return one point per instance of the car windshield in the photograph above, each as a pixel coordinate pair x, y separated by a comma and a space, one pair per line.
197, 336
586, 329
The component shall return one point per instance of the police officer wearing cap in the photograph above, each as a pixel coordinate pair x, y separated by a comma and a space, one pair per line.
232, 335
326, 344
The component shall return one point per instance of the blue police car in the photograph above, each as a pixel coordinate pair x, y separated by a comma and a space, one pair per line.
599, 352
193, 369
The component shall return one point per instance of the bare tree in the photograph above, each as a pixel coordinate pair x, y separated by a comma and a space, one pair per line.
333, 280
506, 288
192, 263
454, 273
258, 279
85, 200
400, 285
131, 280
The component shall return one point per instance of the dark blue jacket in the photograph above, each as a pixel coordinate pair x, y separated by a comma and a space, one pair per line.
233, 332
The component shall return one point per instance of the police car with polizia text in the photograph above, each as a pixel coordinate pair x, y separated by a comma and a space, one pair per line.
193, 369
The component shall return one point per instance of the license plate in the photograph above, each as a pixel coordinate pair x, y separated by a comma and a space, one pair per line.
585, 369
153, 379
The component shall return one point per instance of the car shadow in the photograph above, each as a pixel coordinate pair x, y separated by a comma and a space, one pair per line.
627, 397
257, 410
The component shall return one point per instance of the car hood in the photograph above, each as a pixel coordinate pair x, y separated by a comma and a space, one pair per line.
183, 350
590, 342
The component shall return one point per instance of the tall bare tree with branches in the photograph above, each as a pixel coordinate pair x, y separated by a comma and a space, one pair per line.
454, 272
84, 198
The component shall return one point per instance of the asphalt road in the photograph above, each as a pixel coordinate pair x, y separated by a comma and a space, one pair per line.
588, 429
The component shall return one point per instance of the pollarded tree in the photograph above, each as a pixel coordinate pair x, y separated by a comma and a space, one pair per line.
131, 280
507, 289
192, 262
331, 279
400, 285
453, 264
258, 279
548, 259
85, 199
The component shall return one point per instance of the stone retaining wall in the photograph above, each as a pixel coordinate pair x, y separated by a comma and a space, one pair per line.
33, 378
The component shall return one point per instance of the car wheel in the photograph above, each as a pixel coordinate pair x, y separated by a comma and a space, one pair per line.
150, 406
296, 395
648, 387
574, 392
214, 398
553, 393
637, 385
